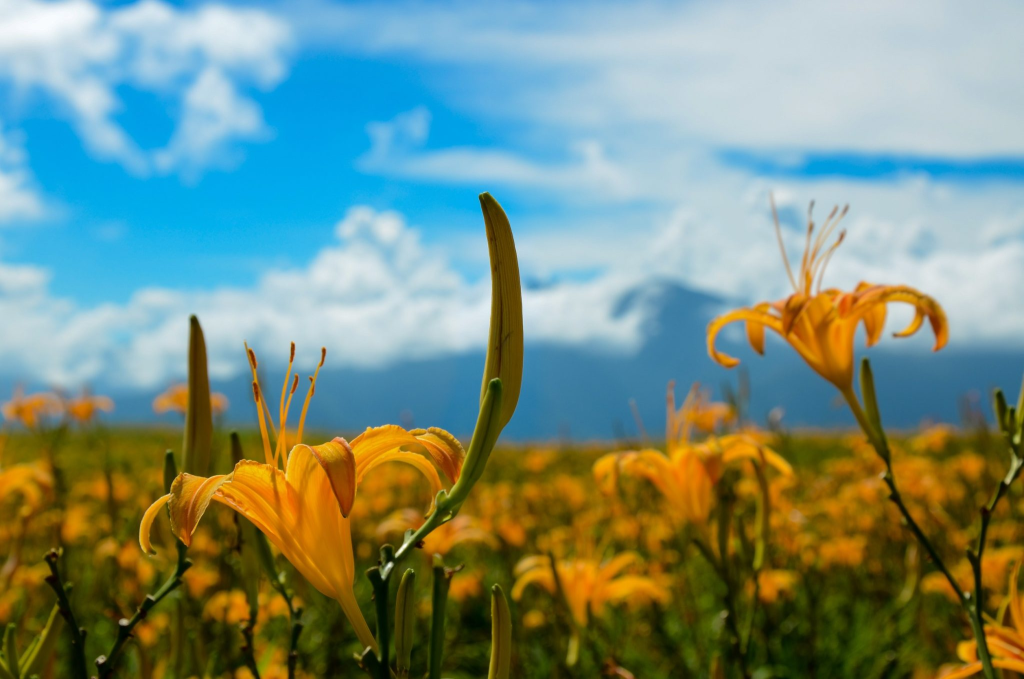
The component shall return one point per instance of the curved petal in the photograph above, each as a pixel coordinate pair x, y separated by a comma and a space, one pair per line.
739, 447
540, 576
399, 455
190, 497
146, 527
635, 588
444, 449
337, 461
755, 329
749, 315
606, 472
884, 294
439, 445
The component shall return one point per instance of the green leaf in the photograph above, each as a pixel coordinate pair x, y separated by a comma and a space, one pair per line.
199, 416
11, 651
43, 646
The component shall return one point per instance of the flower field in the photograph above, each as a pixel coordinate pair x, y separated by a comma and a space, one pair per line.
721, 549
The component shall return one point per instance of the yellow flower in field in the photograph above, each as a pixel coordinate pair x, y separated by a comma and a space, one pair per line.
175, 400
31, 410
32, 481
462, 529
821, 324
304, 509
1005, 642
774, 584
84, 408
589, 585
688, 473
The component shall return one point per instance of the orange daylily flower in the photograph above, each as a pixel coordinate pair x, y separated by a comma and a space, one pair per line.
589, 585
821, 324
83, 408
1005, 642
32, 409
304, 509
175, 400
686, 474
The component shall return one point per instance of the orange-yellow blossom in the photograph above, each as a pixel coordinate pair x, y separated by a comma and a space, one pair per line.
83, 408
1005, 642
30, 410
304, 509
588, 584
175, 400
821, 324
688, 472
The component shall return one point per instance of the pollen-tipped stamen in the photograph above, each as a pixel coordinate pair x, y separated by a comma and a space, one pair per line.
782, 246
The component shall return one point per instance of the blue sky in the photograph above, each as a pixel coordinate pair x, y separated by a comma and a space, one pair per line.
311, 169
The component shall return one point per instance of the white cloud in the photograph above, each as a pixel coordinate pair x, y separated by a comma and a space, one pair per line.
78, 53
918, 77
375, 296
398, 148
18, 196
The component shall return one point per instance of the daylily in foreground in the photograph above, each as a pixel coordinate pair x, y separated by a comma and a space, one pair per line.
304, 509
1005, 643
822, 324
687, 473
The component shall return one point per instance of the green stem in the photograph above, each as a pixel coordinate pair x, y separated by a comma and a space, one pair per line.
381, 592
64, 606
971, 605
106, 664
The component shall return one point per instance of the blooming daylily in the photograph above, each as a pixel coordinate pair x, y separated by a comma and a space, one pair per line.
686, 474
589, 585
821, 324
32, 409
304, 509
175, 400
1005, 642
83, 408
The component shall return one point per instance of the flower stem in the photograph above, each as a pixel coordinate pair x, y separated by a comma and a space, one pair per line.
106, 664
66, 612
971, 604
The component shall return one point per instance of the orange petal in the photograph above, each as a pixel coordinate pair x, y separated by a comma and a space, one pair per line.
190, 496
147, 524
755, 330
339, 463
755, 315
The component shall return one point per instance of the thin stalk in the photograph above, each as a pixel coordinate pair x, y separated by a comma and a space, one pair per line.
78, 634
106, 664
381, 592
971, 604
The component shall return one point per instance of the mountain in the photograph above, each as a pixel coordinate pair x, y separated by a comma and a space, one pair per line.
584, 393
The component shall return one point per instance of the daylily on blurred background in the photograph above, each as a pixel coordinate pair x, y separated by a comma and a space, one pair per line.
822, 324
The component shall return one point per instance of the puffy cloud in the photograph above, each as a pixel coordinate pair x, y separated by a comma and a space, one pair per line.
375, 296
398, 149
19, 198
915, 77
78, 54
